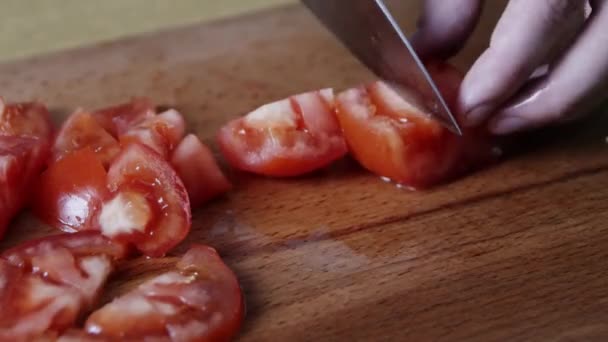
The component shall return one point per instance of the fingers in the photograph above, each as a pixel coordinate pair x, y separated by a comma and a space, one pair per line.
445, 26
577, 83
528, 34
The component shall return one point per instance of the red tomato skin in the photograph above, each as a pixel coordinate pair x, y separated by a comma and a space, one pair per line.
81, 130
140, 169
161, 133
30, 119
118, 119
312, 141
196, 166
70, 195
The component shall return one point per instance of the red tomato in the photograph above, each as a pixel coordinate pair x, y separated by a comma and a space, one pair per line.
161, 133
149, 205
286, 138
46, 284
395, 138
81, 130
120, 118
197, 168
29, 119
200, 301
70, 195
21, 160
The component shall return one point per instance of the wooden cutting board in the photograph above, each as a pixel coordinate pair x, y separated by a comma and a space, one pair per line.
516, 252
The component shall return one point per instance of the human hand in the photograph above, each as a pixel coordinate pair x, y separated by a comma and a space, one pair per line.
570, 37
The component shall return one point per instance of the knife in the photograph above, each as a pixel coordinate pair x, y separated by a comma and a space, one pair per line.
369, 31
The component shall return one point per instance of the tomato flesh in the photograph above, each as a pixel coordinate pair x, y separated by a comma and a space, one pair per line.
198, 169
69, 195
286, 138
394, 137
81, 130
118, 119
30, 119
200, 301
149, 205
47, 283
161, 133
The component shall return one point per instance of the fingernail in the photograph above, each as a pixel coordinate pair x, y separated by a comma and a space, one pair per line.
476, 115
507, 124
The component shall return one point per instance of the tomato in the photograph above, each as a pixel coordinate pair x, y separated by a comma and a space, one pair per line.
200, 301
198, 169
161, 132
120, 118
285, 138
395, 137
149, 205
81, 130
46, 284
29, 119
21, 160
69, 195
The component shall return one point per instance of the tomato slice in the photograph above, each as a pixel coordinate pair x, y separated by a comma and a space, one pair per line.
21, 160
31, 119
161, 133
68, 195
120, 118
149, 205
200, 301
198, 169
290, 137
46, 284
81, 130
394, 137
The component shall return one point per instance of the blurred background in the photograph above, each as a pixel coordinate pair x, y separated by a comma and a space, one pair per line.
31, 27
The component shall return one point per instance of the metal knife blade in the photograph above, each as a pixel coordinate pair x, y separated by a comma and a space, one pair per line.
369, 31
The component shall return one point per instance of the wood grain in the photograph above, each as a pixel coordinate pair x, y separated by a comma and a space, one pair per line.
516, 252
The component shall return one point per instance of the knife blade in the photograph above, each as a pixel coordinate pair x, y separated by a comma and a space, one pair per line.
370, 32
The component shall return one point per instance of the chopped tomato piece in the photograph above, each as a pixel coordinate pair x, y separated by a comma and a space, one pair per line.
149, 205
394, 137
200, 301
198, 169
81, 130
46, 284
30, 119
289, 137
71, 191
118, 119
161, 133
21, 160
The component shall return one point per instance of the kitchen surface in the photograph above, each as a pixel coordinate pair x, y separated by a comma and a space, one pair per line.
513, 252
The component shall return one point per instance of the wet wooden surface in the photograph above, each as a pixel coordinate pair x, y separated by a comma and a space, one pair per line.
516, 252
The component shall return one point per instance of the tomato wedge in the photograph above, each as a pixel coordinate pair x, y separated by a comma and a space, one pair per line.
30, 119
290, 137
394, 137
21, 160
200, 301
47, 283
161, 132
81, 130
149, 205
69, 195
120, 118
198, 169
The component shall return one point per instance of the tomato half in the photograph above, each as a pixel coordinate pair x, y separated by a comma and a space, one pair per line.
71, 191
81, 130
286, 138
120, 118
200, 301
29, 119
149, 205
47, 283
395, 137
198, 169
161, 133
